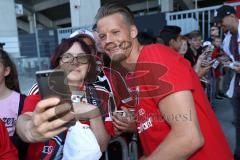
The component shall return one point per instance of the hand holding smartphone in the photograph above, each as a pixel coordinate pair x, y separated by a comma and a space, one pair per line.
53, 83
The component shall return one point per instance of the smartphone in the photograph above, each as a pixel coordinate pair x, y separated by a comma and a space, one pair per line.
53, 83
215, 64
112, 107
123, 114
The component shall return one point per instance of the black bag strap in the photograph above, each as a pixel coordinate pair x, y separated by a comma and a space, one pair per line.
93, 98
21, 103
19, 144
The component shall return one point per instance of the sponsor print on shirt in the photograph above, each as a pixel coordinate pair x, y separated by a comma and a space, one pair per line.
10, 124
148, 77
145, 125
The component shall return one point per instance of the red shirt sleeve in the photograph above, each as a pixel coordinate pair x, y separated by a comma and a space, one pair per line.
162, 71
30, 103
7, 149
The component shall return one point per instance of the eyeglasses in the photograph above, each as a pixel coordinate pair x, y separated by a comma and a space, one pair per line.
82, 58
213, 29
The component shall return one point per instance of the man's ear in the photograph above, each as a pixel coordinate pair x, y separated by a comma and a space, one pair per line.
133, 31
7, 71
232, 15
171, 43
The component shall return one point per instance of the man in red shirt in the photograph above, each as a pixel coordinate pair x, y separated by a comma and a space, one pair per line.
174, 118
7, 149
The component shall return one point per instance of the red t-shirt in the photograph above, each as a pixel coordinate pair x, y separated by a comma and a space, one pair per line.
35, 149
162, 72
7, 149
119, 88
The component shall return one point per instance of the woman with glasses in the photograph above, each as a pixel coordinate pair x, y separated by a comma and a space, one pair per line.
49, 133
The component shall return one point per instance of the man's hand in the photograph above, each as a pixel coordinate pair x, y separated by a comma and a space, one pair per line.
48, 120
124, 123
236, 68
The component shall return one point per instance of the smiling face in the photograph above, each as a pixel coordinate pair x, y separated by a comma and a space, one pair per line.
77, 68
116, 36
195, 42
229, 23
184, 47
214, 31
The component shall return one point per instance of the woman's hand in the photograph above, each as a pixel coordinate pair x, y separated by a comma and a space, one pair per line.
85, 111
48, 120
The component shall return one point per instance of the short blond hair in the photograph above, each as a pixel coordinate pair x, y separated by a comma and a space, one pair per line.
115, 7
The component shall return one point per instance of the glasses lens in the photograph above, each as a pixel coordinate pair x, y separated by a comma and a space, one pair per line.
83, 59
67, 58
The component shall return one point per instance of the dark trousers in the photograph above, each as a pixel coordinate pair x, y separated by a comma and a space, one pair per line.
236, 109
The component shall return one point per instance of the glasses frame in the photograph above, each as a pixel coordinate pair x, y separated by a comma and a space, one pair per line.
78, 58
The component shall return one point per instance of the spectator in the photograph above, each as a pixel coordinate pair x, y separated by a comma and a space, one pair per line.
108, 78
9, 92
227, 19
36, 126
195, 49
214, 32
11, 100
184, 46
178, 91
171, 37
111, 80
196, 56
7, 149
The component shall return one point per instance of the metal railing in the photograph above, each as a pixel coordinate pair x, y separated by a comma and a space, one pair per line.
26, 67
129, 151
195, 19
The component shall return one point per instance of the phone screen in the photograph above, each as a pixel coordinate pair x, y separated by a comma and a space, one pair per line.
53, 83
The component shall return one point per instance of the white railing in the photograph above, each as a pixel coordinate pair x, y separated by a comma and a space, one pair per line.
195, 19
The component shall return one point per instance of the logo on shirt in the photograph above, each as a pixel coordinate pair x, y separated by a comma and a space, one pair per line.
148, 76
47, 149
141, 112
145, 125
9, 122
